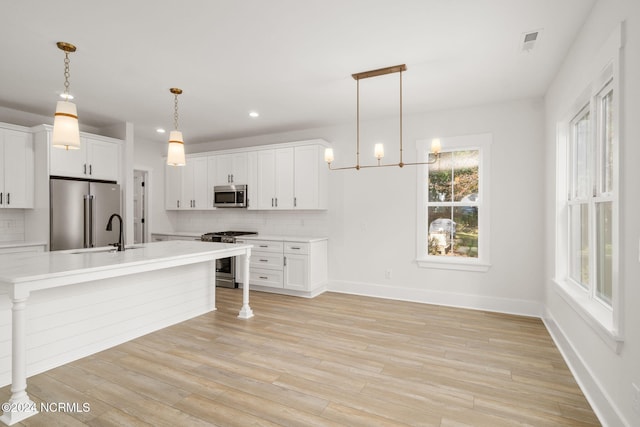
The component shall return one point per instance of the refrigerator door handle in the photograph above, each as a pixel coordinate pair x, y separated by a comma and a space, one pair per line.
91, 216
86, 220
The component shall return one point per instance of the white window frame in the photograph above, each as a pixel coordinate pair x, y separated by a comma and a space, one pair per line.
482, 143
605, 320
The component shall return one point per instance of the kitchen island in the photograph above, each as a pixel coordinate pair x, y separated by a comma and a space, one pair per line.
64, 305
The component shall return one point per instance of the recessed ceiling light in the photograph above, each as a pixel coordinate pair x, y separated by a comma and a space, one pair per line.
66, 96
254, 114
160, 130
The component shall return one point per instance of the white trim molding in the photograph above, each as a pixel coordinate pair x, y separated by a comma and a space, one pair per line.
450, 299
603, 405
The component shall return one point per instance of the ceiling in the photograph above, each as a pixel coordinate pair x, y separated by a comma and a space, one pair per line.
290, 60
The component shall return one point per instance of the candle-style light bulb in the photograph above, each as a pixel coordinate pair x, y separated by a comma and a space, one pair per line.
436, 147
328, 155
378, 151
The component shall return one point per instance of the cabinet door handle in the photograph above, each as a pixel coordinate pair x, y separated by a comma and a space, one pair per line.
85, 169
264, 277
295, 202
285, 261
272, 202
178, 203
0, 198
231, 177
90, 169
264, 246
8, 199
276, 202
295, 247
264, 260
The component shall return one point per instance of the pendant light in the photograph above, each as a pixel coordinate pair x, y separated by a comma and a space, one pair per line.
434, 155
175, 152
66, 132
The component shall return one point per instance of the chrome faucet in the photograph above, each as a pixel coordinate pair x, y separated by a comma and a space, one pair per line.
120, 244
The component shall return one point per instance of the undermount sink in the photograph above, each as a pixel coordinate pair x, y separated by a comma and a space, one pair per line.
102, 250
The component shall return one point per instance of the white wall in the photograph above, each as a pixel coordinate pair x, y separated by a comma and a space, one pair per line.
148, 155
605, 376
371, 221
11, 225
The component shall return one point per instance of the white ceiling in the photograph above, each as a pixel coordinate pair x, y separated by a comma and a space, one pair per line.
291, 60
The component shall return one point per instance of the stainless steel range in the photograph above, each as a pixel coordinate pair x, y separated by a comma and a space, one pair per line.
225, 267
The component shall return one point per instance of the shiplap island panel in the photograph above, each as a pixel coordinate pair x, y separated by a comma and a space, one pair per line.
56, 307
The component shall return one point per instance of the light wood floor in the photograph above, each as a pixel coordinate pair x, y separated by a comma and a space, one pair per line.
335, 360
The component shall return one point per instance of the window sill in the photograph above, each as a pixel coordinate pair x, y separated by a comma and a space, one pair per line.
595, 315
451, 264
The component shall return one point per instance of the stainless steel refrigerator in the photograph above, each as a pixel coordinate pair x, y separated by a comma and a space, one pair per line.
80, 211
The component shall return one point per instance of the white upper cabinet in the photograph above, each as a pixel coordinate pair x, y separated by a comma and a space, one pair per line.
16, 169
172, 187
310, 178
194, 183
102, 159
186, 187
231, 169
275, 179
97, 158
285, 176
292, 178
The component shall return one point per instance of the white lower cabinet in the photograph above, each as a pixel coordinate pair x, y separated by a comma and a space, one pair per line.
267, 263
295, 267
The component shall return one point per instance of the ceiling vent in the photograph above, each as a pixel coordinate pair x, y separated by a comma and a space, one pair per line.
529, 40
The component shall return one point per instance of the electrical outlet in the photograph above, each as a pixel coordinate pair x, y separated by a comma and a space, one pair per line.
635, 398
387, 273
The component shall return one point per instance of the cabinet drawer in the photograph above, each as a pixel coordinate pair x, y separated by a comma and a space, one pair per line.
266, 246
262, 277
269, 260
296, 248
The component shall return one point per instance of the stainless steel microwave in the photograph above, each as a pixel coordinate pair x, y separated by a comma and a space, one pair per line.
230, 196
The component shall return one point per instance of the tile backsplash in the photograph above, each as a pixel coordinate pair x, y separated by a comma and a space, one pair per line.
11, 225
288, 223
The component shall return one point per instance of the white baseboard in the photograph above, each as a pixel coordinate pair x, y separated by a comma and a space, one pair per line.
603, 406
475, 302
304, 294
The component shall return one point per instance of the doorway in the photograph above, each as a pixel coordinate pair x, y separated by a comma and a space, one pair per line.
140, 206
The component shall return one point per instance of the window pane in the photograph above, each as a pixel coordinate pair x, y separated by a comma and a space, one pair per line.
465, 175
440, 177
441, 230
465, 242
581, 181
453, 231
579, 244
606, 171
604, 236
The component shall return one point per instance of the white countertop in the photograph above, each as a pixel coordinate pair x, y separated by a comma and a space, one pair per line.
298, 239
51, 266
4, 245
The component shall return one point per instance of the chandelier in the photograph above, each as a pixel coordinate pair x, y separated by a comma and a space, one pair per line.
434, 155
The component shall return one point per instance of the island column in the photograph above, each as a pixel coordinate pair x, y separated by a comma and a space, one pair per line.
20, 406
245, 311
